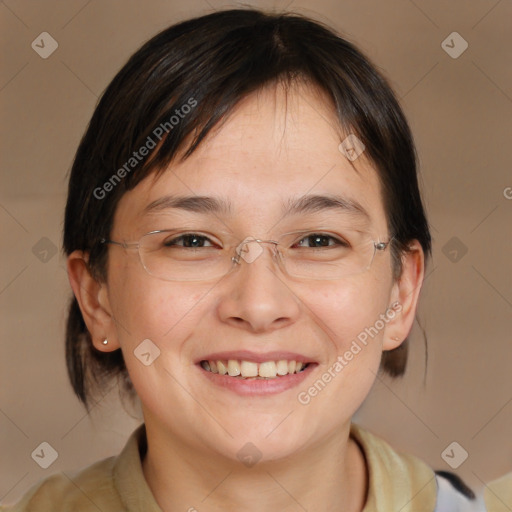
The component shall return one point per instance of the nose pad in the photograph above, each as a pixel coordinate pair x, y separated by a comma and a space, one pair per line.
249, 251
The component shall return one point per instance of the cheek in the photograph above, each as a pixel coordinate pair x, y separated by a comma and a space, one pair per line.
154, 321
149, 308
347, 313
348, 309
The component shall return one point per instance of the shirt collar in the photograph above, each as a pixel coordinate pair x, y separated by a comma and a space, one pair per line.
129, 478
396, 481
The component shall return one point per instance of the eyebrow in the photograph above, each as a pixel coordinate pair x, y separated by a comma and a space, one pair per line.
319, 203
196, 204
294, 206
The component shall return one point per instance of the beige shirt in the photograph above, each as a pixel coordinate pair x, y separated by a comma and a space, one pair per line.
498, 494
396, 482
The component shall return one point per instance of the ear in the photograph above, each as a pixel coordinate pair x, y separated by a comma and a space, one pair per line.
92, 298
404, 296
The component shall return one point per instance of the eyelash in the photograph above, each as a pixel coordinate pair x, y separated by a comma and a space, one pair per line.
339, 241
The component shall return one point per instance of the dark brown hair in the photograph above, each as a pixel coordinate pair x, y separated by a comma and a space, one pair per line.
211, 63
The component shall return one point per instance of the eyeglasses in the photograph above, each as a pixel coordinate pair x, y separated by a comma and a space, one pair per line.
179, 255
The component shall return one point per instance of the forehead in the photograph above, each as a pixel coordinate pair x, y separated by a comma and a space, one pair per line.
276, 147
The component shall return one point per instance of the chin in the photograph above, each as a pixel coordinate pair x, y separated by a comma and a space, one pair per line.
264, 444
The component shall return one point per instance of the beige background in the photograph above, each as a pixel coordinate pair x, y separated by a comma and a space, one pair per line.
461, 114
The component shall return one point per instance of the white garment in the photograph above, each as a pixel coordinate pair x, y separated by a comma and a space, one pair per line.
450, 499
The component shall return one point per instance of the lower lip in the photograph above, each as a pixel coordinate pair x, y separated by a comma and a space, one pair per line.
258, 387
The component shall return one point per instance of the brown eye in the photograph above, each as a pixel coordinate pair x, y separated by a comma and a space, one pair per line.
188, 241
318, 240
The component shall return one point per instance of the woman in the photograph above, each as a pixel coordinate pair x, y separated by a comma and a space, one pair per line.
246, 245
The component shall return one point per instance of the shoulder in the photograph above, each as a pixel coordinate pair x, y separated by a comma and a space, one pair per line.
398, 480
498, 494
97, 487
89, 489
386, 462
395, 480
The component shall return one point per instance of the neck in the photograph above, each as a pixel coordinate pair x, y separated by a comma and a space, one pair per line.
330, 475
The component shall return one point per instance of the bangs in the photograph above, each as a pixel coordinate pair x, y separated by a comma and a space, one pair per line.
169, 104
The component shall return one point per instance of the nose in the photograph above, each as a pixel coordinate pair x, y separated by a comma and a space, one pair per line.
256, 296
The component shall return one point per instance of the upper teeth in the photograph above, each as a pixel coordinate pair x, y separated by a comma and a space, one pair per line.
268, 369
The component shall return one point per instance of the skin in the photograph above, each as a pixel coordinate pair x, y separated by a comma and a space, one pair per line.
274, 146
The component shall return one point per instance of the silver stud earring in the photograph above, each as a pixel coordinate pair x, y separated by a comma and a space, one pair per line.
394, 337
105, 341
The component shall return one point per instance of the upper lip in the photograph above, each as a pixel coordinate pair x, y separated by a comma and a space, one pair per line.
255, 357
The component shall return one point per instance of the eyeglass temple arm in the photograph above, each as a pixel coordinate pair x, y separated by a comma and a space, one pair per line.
125, 245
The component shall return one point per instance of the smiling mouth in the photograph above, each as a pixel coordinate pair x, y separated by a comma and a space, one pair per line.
251, 370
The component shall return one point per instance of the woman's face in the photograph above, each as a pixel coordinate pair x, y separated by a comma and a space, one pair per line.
273, 149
